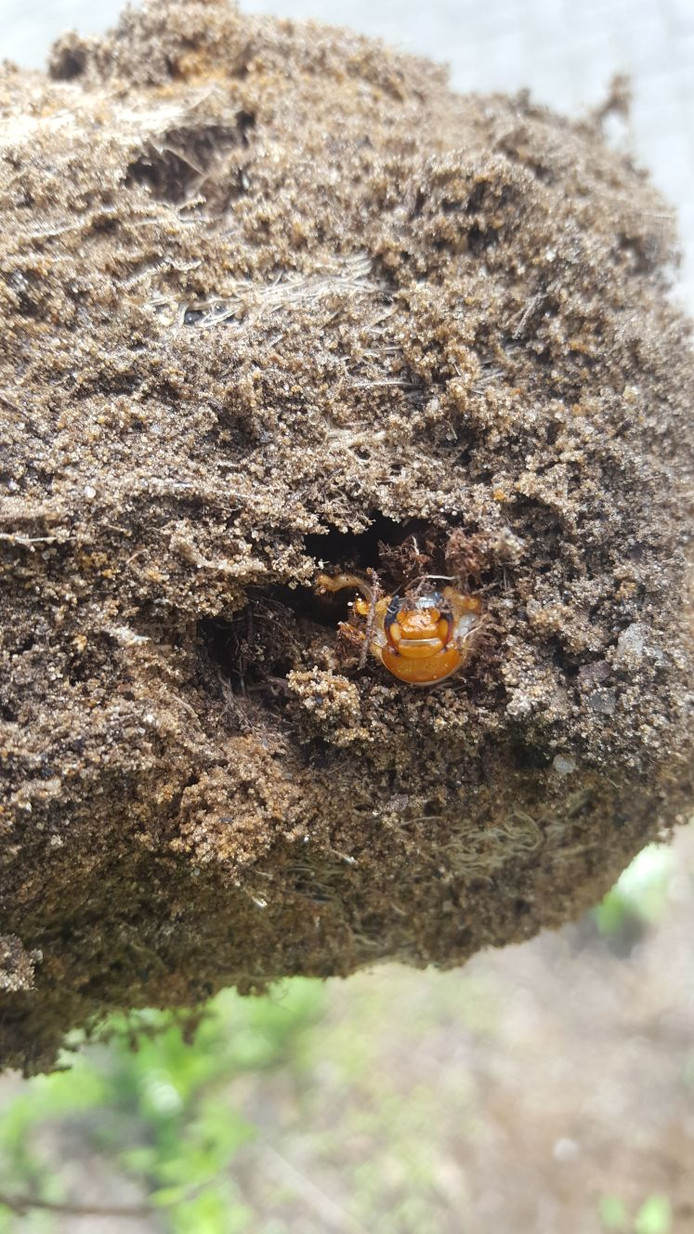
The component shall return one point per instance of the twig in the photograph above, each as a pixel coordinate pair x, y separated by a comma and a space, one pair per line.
534, 303
371, 619
27, 541
20, 1204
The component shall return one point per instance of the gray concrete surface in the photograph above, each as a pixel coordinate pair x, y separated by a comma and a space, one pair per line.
565, 51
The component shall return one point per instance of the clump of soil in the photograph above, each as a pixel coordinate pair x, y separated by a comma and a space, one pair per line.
275, 300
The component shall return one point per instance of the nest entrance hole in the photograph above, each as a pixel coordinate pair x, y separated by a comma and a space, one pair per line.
396, 551
262, 642
356, 551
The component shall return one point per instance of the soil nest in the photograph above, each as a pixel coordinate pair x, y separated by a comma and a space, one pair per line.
276, 301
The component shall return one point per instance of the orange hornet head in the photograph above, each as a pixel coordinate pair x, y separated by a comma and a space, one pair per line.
420, 647
421, 638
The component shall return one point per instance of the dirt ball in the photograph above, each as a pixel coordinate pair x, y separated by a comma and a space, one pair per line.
277, 302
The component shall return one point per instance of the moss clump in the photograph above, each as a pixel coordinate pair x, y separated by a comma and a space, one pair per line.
273, 297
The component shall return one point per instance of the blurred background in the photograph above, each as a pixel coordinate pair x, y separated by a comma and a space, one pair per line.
544, 1089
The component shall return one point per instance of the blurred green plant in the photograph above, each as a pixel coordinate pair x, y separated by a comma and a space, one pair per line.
653, 1217
613, 1213
149, 1087
639, 897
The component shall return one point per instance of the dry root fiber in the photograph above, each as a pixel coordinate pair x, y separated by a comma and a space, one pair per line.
274, 300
